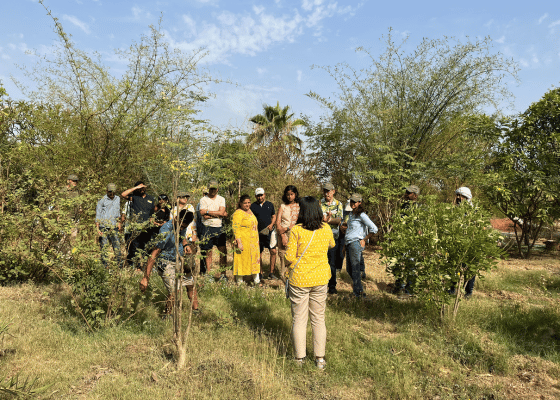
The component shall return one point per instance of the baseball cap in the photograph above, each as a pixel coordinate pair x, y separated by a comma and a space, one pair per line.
259, 191
111, 187
356, 197
328, 186
464, 191
413, 189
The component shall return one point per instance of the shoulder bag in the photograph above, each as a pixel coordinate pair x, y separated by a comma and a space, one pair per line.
287, 285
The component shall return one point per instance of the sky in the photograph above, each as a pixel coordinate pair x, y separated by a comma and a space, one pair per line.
265, 50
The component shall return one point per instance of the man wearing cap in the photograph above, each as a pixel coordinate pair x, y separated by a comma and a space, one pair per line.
107, 223
410, 200
332, 215
142, 206
182, 203
213, 209
71, 208
266, 219
463, 195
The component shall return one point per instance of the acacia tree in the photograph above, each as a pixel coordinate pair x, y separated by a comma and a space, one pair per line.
115, 123
403, 111
523, 180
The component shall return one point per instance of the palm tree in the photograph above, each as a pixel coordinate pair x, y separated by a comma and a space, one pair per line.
275, 125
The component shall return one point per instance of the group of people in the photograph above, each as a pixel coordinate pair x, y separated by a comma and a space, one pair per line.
310, 238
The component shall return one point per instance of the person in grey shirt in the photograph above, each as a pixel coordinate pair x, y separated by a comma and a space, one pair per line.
107, 222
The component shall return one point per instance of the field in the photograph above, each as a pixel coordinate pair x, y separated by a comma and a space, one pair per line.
504, 344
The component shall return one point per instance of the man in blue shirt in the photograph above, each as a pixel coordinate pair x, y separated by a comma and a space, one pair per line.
169, 254
107, 222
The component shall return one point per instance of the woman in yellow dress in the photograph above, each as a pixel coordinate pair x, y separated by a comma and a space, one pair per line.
246, 260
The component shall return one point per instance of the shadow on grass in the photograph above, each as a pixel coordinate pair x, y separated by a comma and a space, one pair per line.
262, 312
382, 307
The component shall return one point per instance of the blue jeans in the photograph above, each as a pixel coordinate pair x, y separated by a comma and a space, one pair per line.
112, 236
331, 255
353, 265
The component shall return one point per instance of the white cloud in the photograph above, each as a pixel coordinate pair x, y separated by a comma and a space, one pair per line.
501, 40
261, 71
252, 32
541, 19
489, 23
190, 24
140, 13
242, 34
74, 20
299, 74
553, 26
5, 57
309, 4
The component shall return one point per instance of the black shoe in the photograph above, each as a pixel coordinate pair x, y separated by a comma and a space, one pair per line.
332, 291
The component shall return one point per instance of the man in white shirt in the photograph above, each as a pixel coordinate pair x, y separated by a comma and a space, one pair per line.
212, 210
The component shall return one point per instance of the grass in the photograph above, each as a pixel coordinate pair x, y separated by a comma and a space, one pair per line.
504, 344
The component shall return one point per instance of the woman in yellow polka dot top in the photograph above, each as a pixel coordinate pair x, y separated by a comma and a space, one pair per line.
309, 272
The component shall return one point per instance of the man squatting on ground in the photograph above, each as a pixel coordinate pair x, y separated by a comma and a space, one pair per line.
166, 264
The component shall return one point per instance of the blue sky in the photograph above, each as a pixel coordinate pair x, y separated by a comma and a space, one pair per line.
266, 49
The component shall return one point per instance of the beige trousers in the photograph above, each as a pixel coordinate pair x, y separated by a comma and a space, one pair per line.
310, 301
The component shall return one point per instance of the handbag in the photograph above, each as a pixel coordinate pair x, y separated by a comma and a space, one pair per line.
273, 239
287, 285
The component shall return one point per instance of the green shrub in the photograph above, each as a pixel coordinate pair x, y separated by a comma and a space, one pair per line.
439, 246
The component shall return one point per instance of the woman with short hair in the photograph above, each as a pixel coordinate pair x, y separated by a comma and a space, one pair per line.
308, 274
246, 260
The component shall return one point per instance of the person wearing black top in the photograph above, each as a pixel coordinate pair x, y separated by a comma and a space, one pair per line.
142, 206
266, 218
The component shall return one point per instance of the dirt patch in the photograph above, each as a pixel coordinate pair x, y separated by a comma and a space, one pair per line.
502, 224
538, 262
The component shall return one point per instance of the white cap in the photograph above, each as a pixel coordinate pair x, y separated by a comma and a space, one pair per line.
259, 191
464, 191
